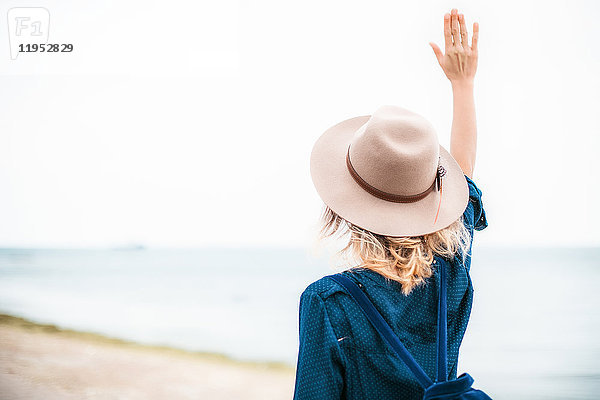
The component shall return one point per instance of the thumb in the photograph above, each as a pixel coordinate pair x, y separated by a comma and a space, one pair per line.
436, 51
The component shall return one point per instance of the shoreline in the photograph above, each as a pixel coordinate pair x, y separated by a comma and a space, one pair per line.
98, 338
44, 361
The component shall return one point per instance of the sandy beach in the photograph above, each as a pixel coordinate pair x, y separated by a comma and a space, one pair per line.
44, 362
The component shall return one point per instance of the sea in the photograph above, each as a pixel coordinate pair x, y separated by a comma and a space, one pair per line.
534, 331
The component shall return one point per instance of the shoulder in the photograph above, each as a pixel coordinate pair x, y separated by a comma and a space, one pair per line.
474, 190
327, 289
474, 215
324, 288
320, 303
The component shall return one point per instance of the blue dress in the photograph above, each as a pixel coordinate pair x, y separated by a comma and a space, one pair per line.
341, 356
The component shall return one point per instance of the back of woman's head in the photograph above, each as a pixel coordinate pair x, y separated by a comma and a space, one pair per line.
407, 260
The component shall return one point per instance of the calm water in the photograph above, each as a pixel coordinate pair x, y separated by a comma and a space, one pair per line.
534, 331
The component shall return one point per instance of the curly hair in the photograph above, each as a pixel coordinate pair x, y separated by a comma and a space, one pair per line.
407, 260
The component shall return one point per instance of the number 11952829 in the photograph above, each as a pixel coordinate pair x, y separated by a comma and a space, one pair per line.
46, 48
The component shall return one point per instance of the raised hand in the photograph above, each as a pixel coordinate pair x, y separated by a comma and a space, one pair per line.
459, 62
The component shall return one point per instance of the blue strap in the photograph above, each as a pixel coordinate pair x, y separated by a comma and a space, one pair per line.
384, 329
442, 334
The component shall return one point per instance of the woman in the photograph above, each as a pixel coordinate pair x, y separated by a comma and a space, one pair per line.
408, 207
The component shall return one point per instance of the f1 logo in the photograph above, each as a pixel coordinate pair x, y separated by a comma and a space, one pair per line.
27, 25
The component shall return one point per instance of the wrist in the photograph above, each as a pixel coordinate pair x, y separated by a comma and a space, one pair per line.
463, 84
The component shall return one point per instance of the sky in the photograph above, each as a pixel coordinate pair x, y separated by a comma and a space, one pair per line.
184, 124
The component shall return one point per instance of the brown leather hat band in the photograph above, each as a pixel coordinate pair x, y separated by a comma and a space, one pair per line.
396, 198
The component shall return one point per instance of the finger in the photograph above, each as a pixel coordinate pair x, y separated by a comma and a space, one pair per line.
464, 35
455, 30
447, 32
437, 51
475, 39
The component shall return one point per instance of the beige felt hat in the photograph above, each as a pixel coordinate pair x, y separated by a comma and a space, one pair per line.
388, 174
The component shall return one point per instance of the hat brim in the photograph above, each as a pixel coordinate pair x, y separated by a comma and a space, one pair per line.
345, 197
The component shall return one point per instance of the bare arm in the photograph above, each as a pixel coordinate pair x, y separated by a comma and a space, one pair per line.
463, 141
460, 64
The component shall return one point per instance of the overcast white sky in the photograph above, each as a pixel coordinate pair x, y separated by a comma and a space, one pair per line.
191, 123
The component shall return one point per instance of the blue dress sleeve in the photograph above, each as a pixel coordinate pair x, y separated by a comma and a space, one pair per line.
319, 371
474, 214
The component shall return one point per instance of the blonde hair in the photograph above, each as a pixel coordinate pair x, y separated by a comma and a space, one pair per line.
407, 260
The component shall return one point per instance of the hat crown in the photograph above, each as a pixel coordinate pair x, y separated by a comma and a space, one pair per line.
396, 151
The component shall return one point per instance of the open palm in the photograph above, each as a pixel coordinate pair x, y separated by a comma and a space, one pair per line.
459, 62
